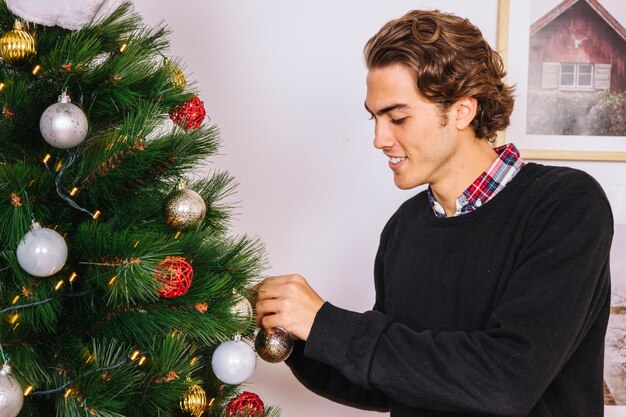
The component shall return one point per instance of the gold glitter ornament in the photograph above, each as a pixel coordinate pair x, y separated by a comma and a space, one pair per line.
176, 75
193, 401
17, 46
184, 208
274, 346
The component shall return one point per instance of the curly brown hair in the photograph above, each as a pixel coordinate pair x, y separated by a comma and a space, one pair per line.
450, 60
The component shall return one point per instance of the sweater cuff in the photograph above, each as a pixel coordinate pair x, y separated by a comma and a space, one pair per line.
330, 336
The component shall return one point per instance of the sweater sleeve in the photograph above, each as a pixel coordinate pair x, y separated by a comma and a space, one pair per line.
558, 288
328, 381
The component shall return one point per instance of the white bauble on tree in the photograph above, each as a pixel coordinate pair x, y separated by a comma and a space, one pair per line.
64, 125
69, 14
233, 362
11, 395
42, 252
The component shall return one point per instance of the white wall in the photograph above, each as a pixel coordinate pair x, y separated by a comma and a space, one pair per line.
284, 80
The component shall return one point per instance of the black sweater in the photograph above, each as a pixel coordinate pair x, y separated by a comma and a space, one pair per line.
499, 312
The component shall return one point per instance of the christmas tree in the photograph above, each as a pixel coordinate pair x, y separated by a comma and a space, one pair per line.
121, 291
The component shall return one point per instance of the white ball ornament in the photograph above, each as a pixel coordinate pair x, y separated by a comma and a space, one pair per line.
64, 125
42, 252
11, 395
233, 362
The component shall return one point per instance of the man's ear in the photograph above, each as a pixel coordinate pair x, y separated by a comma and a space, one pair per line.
466, 108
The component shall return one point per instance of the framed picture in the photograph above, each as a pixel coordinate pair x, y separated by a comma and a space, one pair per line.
567, 59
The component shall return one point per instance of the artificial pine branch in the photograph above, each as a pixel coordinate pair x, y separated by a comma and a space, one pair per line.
71, 336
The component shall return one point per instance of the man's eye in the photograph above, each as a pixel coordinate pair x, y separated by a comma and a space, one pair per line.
398, 121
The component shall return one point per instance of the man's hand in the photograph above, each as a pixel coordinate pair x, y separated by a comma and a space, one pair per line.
289, 302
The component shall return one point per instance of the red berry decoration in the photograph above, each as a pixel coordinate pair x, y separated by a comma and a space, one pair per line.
189, 115
175, 275
247, 404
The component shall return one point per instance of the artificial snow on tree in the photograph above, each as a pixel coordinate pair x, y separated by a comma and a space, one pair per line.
68, 14
117, 303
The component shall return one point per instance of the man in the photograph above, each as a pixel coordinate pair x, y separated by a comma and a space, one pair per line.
493, 285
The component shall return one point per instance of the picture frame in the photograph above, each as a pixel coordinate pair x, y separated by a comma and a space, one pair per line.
513, 45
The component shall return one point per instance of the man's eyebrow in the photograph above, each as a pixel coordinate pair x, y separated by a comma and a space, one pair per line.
385, 110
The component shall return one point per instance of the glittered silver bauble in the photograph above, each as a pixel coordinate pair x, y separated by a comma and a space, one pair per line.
42, 252
233, 362
274, 346
184, 208
64, 125
242, 309
11, 395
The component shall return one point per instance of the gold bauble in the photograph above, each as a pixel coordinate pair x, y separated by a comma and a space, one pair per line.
193, 401
177, 76
274, 346
184, 208
17, 46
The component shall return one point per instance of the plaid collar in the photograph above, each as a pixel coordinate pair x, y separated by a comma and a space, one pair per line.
487, 185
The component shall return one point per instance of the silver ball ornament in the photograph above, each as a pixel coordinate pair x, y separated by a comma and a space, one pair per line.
274, 346
64, 125
184, 208
233, 362
42, 252
242, 309
11, 395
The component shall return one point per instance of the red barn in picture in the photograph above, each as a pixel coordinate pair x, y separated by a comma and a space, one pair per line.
576, 72
578, 46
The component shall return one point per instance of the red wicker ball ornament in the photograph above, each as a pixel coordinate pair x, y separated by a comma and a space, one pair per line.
247, 404
175, 275
189, 115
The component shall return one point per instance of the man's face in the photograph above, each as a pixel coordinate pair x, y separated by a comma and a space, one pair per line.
409, 129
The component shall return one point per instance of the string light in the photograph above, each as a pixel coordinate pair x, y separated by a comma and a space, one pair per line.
90, 359
142, 360
46, 158
2, 86
72, 277
15, 299
36, 69
177, 235
68, 392
134, 355
123, 47
58, 166
194, 361
28, 390
13, 318
96, 214
136, 244
112, 280
74, 191
58, 286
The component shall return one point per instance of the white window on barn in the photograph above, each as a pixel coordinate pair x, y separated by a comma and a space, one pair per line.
568, 76
584, 77
576, 76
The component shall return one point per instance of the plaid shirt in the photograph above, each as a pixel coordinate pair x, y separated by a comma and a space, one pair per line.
487, 185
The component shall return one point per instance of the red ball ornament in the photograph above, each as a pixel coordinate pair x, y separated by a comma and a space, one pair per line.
175, 275
247, 404
189, 115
